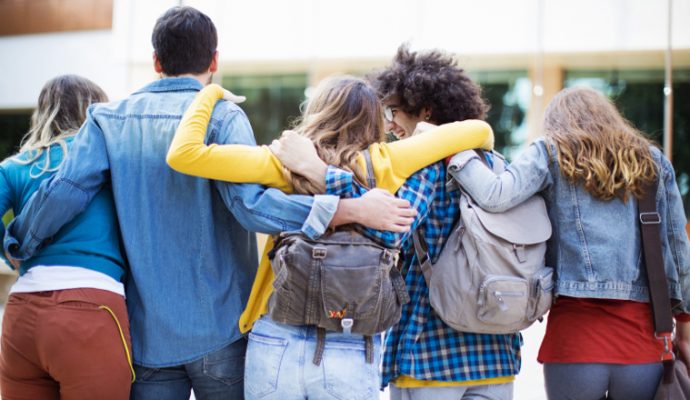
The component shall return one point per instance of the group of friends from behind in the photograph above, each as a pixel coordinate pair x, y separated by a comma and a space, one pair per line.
156, 198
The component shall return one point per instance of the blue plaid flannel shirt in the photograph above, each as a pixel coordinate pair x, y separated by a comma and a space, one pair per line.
421, 345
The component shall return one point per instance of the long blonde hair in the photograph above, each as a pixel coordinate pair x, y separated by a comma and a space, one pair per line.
596, 146
61, 110
342, 117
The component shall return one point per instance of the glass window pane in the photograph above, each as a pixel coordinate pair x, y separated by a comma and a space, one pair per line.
273, 101
509, 94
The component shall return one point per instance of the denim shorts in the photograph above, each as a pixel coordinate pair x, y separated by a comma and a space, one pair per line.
280, 364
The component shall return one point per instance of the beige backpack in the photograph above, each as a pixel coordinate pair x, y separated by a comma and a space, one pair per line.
491, 276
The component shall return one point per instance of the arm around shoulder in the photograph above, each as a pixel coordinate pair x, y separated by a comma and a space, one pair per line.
240, 163
397, 161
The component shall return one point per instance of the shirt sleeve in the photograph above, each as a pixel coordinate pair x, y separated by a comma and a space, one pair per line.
268, 210
418, 189
240, 163
340, 183
676, 235
395, 162
526, 175
5, 204
70, 190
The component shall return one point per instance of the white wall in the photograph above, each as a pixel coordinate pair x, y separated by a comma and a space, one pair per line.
29, 61
312, 30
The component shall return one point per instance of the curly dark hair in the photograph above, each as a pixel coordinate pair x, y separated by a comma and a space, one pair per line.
433, 80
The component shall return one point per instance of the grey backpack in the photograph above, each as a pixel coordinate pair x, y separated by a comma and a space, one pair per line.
491, 275
342, 282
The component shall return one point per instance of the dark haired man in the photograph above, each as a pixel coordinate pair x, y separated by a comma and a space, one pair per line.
189, 241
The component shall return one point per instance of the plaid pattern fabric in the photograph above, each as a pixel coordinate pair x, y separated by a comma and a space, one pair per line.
421, 345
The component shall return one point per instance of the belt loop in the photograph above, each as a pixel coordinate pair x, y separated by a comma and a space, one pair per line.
369, 349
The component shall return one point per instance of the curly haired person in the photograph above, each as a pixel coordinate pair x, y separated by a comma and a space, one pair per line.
425, 358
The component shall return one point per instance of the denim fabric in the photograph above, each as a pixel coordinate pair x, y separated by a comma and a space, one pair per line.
279, 365
501, 391
595, 247
599, 381
216, 376
89, 241
185, 238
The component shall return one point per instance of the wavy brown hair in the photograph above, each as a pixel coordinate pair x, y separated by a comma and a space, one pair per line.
342, 117
596, 146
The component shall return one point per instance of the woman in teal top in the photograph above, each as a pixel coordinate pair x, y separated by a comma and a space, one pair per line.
65, 331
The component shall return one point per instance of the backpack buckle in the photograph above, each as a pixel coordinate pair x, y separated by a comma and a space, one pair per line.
319, 252
650, 218
346, 324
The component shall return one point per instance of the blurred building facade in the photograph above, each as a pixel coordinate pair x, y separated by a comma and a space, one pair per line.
521, 52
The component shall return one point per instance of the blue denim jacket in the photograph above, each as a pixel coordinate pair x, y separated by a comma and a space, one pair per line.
595, 247
188, 240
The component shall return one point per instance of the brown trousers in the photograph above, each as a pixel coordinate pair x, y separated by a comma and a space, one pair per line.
65, 344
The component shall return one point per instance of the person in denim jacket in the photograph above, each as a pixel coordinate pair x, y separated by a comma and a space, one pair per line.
189, 241
591, 167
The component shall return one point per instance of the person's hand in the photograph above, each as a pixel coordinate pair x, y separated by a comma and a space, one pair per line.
15, 263
683, 341
382, 211
422, 126
230, 96
298, 154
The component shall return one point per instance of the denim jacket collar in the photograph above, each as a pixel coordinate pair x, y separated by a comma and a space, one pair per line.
174, 84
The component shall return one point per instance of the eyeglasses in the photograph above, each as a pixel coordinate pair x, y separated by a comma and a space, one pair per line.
388, 112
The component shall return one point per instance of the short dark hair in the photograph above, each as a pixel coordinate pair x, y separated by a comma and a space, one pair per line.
430, 79
184, 40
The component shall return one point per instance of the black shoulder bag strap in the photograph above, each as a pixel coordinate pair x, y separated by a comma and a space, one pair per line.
650, 223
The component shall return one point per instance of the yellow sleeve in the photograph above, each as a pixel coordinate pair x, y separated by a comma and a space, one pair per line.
395, 162
239, 163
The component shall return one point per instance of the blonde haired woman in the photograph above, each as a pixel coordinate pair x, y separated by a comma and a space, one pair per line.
342, 118
65, 331
591, 167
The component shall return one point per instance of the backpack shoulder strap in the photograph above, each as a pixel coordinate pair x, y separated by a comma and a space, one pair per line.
422, 252
498, 161
371, 178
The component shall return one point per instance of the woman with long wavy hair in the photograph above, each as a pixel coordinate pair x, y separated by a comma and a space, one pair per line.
592, 167
65, 331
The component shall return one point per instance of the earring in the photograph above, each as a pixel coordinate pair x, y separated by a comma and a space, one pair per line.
428, 117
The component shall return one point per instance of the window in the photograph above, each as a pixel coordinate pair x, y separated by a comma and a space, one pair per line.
509, 95
273, 102
13, 126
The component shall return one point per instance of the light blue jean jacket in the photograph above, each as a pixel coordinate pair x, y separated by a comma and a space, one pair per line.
189, 241
595, 247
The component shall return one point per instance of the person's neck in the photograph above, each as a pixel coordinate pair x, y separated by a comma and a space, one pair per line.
204, 78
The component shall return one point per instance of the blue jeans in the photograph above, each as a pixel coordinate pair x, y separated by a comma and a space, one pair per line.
279, 365
502, 391
216, 376
601, 381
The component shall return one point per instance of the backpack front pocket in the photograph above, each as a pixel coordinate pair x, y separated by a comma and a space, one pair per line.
542, 285
503, 300
351, 292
